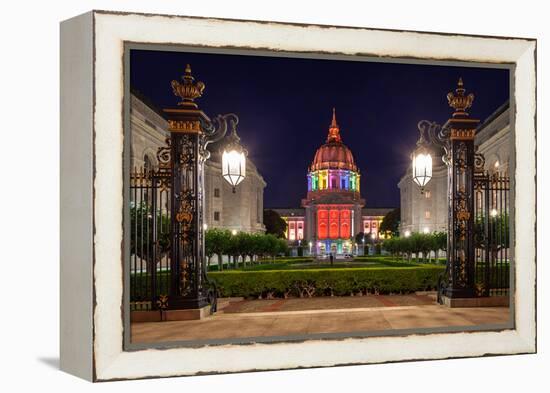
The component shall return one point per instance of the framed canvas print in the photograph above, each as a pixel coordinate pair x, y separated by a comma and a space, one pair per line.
244, 195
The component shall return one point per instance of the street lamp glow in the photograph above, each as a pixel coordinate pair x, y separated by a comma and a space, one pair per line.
426, 230
233, 167
234, 157
422, 167
494, 213
205, 226
234, 232
407, 233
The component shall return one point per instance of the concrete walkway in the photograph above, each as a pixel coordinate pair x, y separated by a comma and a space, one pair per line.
260, 318
240, 305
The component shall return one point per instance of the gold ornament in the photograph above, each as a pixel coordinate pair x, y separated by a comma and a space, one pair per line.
459, 101
189, 89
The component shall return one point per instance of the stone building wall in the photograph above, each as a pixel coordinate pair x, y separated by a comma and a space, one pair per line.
424, 212
148, 133
241, 210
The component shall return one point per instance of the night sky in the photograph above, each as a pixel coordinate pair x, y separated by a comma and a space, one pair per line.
285, 108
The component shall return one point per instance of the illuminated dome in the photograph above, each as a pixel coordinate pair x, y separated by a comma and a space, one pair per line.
333, 168
333, 154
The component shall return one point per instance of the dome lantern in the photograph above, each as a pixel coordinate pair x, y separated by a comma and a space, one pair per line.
334, 130
333, 154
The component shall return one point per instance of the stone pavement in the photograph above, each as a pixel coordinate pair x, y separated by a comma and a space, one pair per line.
280, 317
239, 305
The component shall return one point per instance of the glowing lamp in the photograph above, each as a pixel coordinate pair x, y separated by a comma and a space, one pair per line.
233, 167
234, 232
494, 213
407, 233
234, 159
422, 167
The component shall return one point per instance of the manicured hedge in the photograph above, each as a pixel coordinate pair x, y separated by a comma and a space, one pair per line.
326, 282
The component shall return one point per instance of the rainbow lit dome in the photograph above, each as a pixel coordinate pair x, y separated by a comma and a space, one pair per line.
333, 167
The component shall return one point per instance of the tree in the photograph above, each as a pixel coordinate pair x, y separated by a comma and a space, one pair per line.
282, 246
257, 240
492, 234
252, 245
440, 243
427, 245
391, 245
233, 249
415, 244
390, 223
208, 248
244, 245
497, 233
142, 237
272, 245
274, 224
217, 242
405, 247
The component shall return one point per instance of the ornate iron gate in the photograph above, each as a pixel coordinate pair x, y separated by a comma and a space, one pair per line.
150, 270
491, 233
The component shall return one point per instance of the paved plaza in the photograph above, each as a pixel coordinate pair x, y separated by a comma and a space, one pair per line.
239, 318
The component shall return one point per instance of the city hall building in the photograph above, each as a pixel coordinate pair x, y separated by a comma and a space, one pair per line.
333, 212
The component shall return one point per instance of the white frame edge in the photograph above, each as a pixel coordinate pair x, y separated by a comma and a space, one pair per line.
112, 30
76, 193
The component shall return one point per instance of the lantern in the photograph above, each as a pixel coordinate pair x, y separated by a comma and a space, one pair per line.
422, 167
234, 158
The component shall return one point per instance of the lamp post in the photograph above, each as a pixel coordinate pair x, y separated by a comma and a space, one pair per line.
456, 137
191, 131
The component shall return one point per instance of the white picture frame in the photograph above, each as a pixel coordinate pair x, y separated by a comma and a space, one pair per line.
92, 138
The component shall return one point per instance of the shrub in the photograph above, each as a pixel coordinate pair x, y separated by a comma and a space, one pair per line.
339, 282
